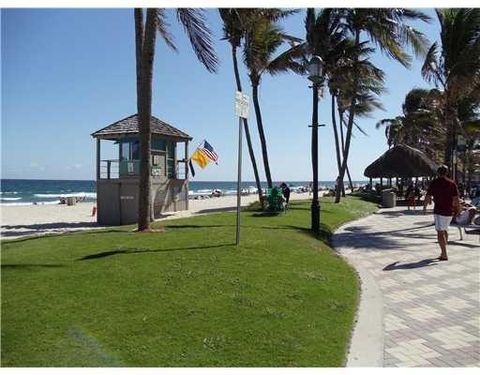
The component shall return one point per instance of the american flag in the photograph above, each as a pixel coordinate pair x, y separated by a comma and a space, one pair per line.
210, 152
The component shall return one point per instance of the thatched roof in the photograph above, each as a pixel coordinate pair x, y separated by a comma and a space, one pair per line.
401, 161
129, 126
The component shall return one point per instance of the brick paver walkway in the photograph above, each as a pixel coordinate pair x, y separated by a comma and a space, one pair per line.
431, 308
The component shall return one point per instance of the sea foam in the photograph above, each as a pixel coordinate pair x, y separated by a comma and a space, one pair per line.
61, 195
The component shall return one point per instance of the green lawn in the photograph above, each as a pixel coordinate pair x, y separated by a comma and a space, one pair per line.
183, 297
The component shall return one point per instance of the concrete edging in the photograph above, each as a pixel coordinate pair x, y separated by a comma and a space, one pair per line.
367, 341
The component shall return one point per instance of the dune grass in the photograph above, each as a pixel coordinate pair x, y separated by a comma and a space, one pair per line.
186, 296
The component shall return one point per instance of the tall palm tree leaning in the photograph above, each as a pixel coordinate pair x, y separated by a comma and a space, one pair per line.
233, 31
194, 23
455, 66
387, 28
371, 85
328, 36
263, 37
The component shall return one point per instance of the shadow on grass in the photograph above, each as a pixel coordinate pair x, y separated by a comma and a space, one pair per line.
37, 236
409, 266
267, 214
40, 229
218, 209
134, 250
196, 226
25, 266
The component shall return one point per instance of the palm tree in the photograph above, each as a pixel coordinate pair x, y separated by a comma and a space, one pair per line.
234, 21
263, 37
454, 67
325, 37
370, 86
387, 29
194, 23
419, 126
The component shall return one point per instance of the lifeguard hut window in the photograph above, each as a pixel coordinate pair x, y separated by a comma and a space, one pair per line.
129, 149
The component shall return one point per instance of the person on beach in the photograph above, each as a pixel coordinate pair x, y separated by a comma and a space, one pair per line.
446, 204
285, 192
412, 194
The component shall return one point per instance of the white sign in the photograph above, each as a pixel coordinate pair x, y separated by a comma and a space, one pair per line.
241, 104
131, 170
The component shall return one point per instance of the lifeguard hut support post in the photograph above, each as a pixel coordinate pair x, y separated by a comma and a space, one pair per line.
118, 180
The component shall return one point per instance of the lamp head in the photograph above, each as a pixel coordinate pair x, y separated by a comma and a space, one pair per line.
315, 69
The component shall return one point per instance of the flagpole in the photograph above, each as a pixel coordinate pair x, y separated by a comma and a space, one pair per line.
241, 110
196, 148
239, 178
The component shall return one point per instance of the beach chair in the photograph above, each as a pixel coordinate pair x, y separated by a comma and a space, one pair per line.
275, 200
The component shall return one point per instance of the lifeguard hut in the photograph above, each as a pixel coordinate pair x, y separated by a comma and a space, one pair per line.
118, 179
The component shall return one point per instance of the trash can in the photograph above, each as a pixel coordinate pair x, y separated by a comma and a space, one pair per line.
71, 201
389, 199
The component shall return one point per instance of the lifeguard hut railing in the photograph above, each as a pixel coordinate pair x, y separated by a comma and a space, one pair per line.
111, 169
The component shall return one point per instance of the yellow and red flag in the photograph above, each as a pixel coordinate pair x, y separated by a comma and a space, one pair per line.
203, 156
200, 158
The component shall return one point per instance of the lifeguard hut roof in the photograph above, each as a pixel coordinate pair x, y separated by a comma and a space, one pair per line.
129, 126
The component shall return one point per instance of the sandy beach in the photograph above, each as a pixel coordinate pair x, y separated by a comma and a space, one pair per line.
20, 221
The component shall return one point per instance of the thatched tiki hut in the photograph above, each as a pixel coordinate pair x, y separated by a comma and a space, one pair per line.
118, 179
401, 161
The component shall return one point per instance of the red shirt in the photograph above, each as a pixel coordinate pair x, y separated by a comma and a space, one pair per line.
443, 191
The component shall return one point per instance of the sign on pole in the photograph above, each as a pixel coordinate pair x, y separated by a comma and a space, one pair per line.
241, 110
241, 104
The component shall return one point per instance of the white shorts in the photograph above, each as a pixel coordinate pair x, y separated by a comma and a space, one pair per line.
442, 222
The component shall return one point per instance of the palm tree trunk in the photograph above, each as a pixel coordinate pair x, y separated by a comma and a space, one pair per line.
144, 107
350, 183
335, 134
139, 35
263, 141
342, 140
343, 151
348, 136
450, 140
247, 130
337, 145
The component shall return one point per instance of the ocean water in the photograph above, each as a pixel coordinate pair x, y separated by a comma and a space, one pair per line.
28, 192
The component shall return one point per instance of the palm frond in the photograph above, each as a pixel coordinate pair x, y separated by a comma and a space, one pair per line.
414, 15
232, 26
430, 65
195, 25
410, 36
288, 60
162, 27
360, 129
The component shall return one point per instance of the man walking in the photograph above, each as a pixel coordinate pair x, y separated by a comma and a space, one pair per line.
445, 196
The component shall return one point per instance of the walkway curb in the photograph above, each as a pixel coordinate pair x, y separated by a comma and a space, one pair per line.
367, 341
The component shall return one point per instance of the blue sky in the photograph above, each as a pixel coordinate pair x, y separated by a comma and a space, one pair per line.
67, 73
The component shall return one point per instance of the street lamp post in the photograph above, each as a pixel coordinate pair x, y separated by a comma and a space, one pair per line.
315, 70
